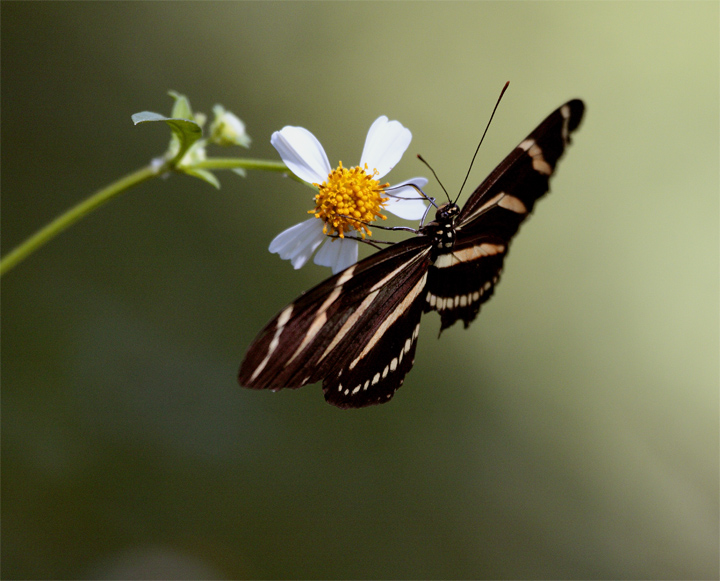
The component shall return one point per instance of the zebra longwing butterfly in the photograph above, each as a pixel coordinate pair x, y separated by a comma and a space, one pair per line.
357, 331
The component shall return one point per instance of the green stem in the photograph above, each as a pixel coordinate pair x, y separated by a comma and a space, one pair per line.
237, 162
44, 235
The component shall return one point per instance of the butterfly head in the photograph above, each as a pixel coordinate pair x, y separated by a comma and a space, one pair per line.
447, 213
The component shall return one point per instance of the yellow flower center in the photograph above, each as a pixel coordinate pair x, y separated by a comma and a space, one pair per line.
349, 198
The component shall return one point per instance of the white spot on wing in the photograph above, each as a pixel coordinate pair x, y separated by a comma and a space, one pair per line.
491, 203
513, 204
345, 276
565, 112
539, 164
282, 320
527, 144
468, 254
285, 316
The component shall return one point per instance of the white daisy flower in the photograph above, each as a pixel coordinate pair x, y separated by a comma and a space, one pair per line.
344, 193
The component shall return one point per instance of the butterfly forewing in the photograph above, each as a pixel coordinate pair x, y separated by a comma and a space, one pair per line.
336, 330
357, 331
460, 281
382, 352
525, 172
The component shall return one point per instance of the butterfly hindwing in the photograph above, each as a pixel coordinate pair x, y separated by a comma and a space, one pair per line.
462, 280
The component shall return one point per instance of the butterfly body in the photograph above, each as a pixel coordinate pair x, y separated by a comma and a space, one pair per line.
442, 229
357, 331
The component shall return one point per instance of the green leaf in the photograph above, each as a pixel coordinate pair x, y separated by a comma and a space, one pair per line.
185, 131
144, 116
203, 175
181, 108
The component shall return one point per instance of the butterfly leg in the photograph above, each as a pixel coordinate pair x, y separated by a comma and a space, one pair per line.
403, 228
373, 243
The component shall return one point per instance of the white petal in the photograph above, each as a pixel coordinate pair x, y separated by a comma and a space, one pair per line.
348, 255
338, 253
406, 202
298, 242
384, 146
302, 153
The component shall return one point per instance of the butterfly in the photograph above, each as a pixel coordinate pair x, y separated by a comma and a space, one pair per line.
357, 331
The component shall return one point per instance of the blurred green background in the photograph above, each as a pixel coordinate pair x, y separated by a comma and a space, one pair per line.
571, 432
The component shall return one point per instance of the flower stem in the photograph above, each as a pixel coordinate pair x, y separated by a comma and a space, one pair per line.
236, 162
44, 235
47, 233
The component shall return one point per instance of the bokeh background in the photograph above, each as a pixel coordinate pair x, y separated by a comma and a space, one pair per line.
571, 432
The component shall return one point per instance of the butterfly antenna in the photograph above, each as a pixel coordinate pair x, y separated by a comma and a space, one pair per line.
420, 157
414, 187
467, 175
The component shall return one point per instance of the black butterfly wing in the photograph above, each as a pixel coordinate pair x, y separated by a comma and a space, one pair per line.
525, 172
356, 331
460, 281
